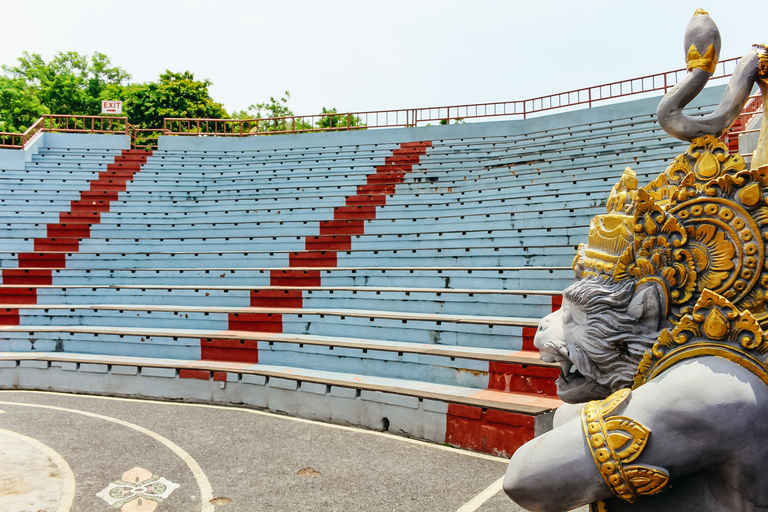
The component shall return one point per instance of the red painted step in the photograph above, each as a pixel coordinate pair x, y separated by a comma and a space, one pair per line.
76, 230
257, 322
375, 200
523, 379
80, 217
27, 276
14, 295
288, 277
312, 259
238, 351
9, 316
487, 431
354, 212
328, 243
276, 298
342, 227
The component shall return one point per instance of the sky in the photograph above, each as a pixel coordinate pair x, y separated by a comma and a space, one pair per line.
364, 55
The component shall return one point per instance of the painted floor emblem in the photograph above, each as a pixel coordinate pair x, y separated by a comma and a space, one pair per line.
138, 490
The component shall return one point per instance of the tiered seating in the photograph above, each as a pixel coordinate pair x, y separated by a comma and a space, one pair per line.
411, 274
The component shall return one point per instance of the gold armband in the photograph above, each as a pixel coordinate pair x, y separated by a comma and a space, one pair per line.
616, 441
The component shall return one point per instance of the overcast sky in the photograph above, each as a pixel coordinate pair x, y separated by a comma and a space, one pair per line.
373, 55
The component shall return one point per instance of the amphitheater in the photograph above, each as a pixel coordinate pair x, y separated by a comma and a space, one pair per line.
389, 279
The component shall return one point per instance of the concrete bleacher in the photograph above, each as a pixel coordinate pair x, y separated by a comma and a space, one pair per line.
391, 279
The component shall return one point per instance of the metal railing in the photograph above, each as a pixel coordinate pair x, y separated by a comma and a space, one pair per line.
11, 140
144, 138
411, 117
84, 124
67, 124
264, 126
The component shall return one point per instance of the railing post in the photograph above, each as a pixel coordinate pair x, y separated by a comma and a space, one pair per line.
349, 121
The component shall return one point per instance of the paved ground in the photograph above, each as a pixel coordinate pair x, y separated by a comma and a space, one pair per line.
62, 452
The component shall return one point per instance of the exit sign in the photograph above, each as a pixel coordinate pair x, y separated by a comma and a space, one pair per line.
111, 107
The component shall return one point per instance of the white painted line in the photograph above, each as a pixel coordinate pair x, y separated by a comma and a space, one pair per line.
476, 502
68, 491
206, 492
425, 444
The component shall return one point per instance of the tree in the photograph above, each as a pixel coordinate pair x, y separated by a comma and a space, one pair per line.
20, 106
70, 83
273, 110
340, 121
173, 95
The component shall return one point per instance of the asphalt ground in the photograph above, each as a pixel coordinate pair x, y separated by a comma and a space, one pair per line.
62, 452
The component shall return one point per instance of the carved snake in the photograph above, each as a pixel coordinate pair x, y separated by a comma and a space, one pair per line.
702, 47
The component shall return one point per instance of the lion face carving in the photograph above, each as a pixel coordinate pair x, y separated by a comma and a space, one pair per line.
600, 335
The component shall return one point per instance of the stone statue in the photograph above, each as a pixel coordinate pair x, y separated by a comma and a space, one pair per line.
662, 339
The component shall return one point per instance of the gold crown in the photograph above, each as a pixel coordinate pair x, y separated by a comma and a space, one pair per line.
700, 225
609, 234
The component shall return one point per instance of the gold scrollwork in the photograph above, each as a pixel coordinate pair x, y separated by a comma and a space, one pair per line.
715, 327
615, 441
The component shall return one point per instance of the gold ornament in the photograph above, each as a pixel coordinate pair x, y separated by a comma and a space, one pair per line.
695, 60
609, 234
615, 441
700, 225
715, 327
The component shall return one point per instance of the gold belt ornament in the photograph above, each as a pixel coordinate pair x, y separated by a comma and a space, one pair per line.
615, 441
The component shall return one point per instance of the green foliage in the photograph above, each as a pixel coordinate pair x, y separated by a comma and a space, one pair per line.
338, 121
69, 84
173, 95
279, 118
277, 109
20, 106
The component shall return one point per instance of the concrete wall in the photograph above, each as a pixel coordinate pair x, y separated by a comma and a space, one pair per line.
86, 140
15, 159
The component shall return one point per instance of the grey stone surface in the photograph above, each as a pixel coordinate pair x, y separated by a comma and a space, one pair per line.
125, 370
388, 398
343, 392
312, 387
290, 385
259, 380
93, 368
434, 406
64, 365
43, 365
158, 372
